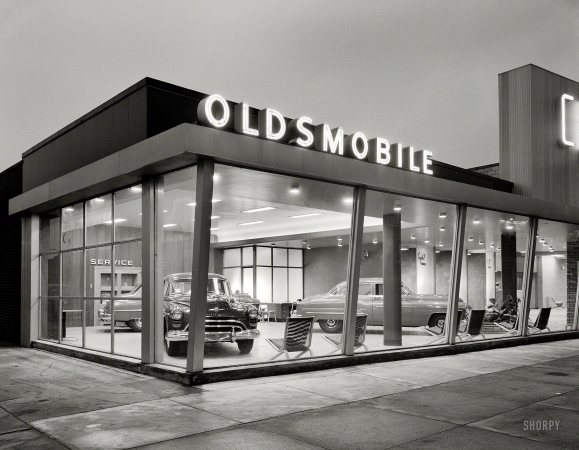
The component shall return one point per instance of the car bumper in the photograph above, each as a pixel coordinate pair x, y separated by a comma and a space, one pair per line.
104, 317
224, 336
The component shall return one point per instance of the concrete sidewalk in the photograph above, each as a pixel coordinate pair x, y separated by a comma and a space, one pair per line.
513, 398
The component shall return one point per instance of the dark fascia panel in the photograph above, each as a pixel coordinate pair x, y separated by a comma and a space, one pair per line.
155, 111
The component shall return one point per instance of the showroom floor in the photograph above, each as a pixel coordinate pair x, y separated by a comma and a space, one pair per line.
128, 343
524, 397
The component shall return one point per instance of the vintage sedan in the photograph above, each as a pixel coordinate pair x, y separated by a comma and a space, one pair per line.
417, 309
226, 319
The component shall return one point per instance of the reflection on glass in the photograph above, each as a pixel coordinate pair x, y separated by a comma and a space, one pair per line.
128, 217
50, 276
49, 313
492, 273
555, 277
72, 271
97, 326
424, 230
99, 220
72, 226
72, 317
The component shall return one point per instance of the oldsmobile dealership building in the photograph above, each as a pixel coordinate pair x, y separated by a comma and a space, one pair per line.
116, 228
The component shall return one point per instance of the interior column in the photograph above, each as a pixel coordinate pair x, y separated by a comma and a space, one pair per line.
392, 273
509, 265
490, 269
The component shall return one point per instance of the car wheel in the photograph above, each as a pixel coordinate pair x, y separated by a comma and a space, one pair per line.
173, 348
136, 324
331, 325
245, 346
438, 321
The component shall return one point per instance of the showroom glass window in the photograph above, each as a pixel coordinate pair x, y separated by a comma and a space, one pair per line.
555, 277
276, 240
90, 255
425, 231
495, 245
176, 210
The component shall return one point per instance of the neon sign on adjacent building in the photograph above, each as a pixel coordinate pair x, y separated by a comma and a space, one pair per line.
301, 132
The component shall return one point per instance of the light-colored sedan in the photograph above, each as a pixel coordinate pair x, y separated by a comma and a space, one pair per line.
417, 309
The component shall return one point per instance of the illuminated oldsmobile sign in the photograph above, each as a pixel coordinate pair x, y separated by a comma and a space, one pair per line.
569, 119
214, 111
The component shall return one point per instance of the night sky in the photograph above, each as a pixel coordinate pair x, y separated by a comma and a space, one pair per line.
422, 73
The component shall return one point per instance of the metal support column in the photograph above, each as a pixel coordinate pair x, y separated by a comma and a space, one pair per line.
148, 291
455, 274
30, 280
528, 276
200, 267
353, 274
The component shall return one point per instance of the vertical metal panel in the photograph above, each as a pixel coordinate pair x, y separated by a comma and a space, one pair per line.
455, 274
353, 274
159, 264
148, 264
200, 268
528, 275
30, 280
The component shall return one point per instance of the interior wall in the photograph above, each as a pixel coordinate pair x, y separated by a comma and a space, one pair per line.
554, 280
476, 272
443, 272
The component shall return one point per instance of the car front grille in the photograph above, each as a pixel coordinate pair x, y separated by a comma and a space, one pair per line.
217, 324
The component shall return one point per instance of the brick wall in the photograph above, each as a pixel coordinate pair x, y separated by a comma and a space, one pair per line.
572, 259
492, 170
10, 238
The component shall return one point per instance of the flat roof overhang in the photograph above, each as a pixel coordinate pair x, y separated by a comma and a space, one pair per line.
185, 144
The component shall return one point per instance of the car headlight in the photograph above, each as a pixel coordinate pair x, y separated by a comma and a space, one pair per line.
176, 313
252, 313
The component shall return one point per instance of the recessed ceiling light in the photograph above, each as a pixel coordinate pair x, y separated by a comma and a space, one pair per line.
442, 215
108, 222
476, 220
215, 217
412, 236
299, 216
375, 240
99, 200
397, 208
213, 229
403, 249
492, 245
295, 188
441, 245
251, 223
348, 200
212, 201
470, 238
69, 209
136, 189
426, 241
265, 208
216, 177
442, 228
169, 225
480, 242
165, 210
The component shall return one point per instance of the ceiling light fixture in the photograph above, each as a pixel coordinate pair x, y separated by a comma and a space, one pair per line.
412, 236
169, 225
397, 207
213, 229
442, 215
99, 200
403, 249
265, 208
299, 216
476, 220
215, 200
470, 238
442, 228
215, 217
295, 188
348, 200
69, 209
136, 189
108, 222
251, 223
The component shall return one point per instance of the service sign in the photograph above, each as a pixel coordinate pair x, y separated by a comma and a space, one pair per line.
214, 111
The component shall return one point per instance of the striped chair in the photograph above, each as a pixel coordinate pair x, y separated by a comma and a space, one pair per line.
359, 335
297, 337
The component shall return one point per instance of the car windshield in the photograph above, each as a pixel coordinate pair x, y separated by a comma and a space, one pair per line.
218, 286
136, 289
181, 287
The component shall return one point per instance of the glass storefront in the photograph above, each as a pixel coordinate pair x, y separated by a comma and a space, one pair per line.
555, 277
91, 272
416, 235
495, 245
278, 258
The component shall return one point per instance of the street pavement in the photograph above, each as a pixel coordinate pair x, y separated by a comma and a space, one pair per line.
524, 397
